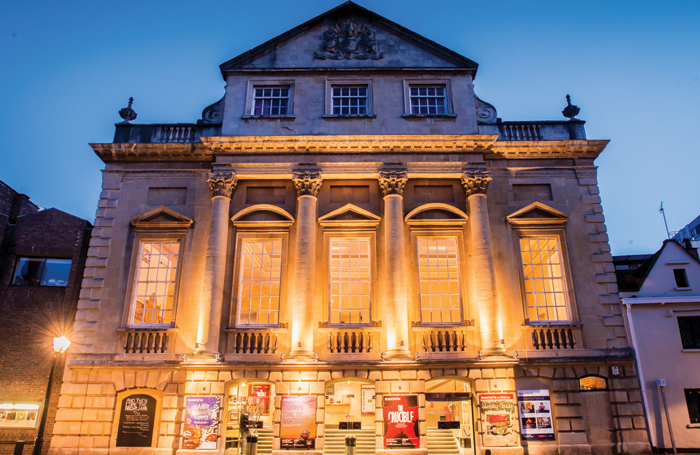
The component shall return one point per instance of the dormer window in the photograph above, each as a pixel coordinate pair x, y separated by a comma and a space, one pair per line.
428, 99
349, 100
681, 278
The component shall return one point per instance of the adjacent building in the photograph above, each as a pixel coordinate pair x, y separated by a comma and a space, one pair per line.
661, 299
350, 237
42, 255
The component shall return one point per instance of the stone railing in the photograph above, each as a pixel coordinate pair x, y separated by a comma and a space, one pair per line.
343, 341
445, 340
147, 341
536, 131
167, 133
552, 337
254, 341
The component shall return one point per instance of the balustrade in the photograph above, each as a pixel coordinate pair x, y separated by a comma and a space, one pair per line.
553, 338
254, 342
146, 341
351, 342
173, 134
445, 340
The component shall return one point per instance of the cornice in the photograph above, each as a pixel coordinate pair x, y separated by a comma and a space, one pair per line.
545, 149
180, 151
348, 144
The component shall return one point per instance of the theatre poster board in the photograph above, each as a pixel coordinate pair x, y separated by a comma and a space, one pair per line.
298, 425
401, 422
536, 414
201, 429
368, 393
18, 415
499, 419
136, 421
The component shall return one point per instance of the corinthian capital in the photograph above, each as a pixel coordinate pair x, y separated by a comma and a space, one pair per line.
222, 183
392, 182
476, 182
307, 183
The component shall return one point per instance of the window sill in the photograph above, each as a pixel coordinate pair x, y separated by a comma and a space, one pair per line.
347, 117
697, 351
684, 289
438, 116
166, 328
545, 324
693, 425
251, 328
269, 117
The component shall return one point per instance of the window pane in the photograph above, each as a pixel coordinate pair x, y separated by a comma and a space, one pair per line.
428, 100
544, 284
28, 272
439, 281
259, 282
349, 100
154, 289
350, 284
270, 101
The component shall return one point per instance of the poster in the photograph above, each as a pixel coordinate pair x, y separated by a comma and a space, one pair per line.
259, 399
368, 399
18, 415
201, 429
535, 414
401, 422
136, 421
298, 425
499, 419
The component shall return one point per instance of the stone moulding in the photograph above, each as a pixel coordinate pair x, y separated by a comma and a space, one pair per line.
162, 217
545, 149
551, 216
193, 151
285, 223
365, 219
460, 220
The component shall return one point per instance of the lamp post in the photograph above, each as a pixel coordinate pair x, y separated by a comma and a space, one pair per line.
60, 344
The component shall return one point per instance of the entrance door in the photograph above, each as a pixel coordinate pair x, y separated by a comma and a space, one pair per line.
249, 407
466, 432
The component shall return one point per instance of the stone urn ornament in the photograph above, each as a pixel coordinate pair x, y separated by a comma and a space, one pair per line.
127, 113
571, 110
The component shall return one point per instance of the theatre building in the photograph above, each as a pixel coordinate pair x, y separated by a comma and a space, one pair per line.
350, 241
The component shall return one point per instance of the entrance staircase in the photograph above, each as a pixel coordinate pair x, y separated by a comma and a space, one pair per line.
264, 441
442, 442
335, 441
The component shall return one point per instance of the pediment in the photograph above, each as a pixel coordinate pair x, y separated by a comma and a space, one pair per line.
348, 36
262, 215
161, 218
537, 213
350, 216
436, 214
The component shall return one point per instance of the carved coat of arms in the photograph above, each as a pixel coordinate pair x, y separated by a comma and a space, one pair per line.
349, 39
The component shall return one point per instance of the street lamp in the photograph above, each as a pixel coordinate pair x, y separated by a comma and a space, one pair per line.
60, 345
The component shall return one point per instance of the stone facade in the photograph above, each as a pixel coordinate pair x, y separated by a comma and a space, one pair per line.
33, 314
259, 208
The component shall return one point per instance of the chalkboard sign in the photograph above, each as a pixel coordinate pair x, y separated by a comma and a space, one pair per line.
136, 421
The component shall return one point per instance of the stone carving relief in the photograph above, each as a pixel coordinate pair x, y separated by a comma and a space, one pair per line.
476, 182
307, 183
349, 39
213, 113
222, 183
393, 182
485, 112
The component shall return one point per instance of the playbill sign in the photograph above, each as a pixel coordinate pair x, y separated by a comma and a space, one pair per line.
136, 421
401, 422
298, 425
499, 419
535, 414
201, 423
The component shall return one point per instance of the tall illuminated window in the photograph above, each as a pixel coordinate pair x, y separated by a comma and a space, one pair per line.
154, 288
438, 269
259, 282
349, 281
544, 279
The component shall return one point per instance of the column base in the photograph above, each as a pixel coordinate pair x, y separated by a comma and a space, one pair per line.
394, 355
202, 356
499, 352
302, 356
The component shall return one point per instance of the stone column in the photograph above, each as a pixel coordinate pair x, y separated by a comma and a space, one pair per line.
475, 184
392, 184
307, 185
222, 185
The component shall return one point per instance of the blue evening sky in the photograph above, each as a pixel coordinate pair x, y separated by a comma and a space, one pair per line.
67, 67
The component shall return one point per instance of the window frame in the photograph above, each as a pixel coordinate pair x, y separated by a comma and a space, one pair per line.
569, 295
18, 258
697, 404
255, 235
336, 83
371, 237
139, 238
684, 276
680, 332
447, 233
268, 83
449, 106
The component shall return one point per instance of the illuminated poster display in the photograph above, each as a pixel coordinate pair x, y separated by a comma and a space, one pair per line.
201, 429
18, 415
535, 414
368, 399
298, 425
401, 422
259, 396
499, 419
136, 421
